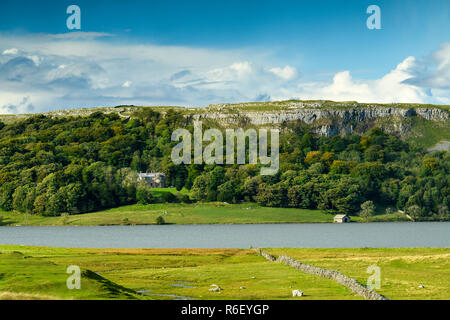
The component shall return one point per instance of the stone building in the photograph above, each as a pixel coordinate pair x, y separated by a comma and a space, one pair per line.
153, 179
341, 218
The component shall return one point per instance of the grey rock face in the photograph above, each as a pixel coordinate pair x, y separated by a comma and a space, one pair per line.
337, 120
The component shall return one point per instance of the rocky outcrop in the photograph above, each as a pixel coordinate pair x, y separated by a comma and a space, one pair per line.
440, 146
326, 121
309, 116
340, 278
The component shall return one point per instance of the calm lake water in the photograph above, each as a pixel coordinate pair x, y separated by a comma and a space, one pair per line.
305, 235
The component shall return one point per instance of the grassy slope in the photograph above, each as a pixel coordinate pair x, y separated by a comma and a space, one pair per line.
402, 270
425, 134
422, 133
42, 278
198, 213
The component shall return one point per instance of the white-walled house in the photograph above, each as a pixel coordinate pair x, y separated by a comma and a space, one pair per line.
341, 218
153, 179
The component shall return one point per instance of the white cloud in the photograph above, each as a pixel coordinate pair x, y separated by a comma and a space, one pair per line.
10, 51
80, 35
43, 72
286, 73
234, 72
15, 103
433, 71
389, 88
126, 84
241, 68
35, 59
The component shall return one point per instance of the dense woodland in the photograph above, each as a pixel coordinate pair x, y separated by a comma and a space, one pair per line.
55, 165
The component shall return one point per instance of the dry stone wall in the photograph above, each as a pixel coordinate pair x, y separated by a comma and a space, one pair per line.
339, 277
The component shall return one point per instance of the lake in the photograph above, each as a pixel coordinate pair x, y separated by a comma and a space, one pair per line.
304, 235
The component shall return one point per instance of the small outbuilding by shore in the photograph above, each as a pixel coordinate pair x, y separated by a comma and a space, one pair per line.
341, 218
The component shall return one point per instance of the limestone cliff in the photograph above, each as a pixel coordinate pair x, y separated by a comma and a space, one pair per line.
327, 120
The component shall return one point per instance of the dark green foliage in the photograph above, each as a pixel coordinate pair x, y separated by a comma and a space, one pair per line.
51, 165
75, 164
168, 197
184, 198
144, 195
160, 220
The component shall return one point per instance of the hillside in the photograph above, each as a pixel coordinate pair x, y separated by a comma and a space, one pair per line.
425, 124
333, 157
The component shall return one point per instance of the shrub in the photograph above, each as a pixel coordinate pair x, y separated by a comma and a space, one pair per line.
160, 220
64, 218
168, 197
183, 198
414, 211
367, 210
144, 196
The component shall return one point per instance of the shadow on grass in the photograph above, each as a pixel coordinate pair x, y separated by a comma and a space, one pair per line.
7, 222
113, 289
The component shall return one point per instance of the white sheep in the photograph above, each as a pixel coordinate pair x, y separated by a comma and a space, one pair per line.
297, 293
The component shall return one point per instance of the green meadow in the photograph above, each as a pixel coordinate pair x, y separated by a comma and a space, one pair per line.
176, 213
40, 273
403, 271
183, 213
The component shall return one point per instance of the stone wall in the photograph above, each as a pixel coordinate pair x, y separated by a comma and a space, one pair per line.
266, 255
340, 278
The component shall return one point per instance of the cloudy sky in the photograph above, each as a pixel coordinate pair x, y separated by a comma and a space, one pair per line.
197, 52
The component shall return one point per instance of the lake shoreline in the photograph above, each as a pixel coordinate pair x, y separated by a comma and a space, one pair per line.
211, 224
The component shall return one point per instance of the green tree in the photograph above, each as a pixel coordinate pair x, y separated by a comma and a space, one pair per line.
144, 196
40, 204
55, 205
443, 212
217, 176
414, 212
272, 196
160, 220
18, 198
6, 196
201, 187
250, 187
367, 210
300, 196
226, 192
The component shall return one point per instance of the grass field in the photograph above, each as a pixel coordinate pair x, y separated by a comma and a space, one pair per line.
181, 213
403, 271
167, 273
178, 213
157, 192
40, 272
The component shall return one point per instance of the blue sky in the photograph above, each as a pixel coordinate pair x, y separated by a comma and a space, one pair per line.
200, 52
